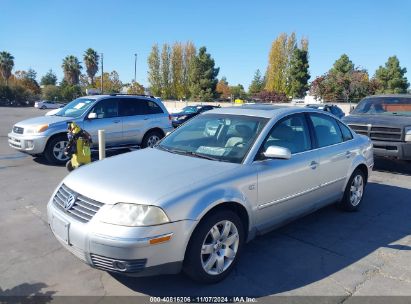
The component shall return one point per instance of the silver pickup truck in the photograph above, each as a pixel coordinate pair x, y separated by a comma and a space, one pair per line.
128, 120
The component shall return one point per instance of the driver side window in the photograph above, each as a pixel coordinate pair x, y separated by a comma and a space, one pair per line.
107, 108
292, 133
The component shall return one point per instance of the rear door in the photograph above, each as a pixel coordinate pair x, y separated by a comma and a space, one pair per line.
108, 120
335, 155
134, 115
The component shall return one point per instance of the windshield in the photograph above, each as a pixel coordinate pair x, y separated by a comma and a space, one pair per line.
189, 110
76, 108
219, 137
384, 106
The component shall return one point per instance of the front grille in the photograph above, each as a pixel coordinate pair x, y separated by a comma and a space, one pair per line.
378, 132
108, 264
18, 130
83, 208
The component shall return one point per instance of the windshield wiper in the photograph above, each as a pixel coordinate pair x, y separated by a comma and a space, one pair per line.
191, 153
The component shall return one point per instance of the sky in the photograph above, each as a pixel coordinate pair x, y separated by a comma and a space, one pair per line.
238, 34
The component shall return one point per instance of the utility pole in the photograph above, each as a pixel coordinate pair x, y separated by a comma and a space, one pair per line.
102, 73
135, 66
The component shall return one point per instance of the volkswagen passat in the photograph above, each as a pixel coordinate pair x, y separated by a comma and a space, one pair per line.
194, 200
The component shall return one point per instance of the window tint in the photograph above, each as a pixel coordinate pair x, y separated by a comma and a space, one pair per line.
346, 133
106, 108
326, 130
152, 107
129, 107
291, 133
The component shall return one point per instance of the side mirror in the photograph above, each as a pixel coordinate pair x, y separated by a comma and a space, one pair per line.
92, 116
277, 152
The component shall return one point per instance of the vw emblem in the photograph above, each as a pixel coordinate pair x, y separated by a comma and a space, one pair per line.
69, 202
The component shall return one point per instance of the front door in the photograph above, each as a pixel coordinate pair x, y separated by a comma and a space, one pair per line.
287, 188
107, 119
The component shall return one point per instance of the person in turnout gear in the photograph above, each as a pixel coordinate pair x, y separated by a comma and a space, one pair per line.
78, 146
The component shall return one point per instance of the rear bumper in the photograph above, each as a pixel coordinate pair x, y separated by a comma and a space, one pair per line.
27, 144
398, 150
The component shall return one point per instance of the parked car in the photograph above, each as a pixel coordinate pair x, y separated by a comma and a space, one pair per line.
47, 104
189, 112
333, 109
127, 120
196, 198
386, 119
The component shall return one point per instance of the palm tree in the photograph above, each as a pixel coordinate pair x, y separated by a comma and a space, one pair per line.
91, 61
6, 65
71, 67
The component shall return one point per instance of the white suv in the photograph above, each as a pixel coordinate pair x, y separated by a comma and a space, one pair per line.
128, 120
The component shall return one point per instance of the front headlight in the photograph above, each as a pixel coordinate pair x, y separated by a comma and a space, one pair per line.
408, 134
36, 130
134, 215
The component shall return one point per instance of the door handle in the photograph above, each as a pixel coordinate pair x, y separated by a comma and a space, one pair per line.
314, 165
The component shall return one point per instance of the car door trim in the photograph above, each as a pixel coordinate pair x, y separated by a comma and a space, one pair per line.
284, 199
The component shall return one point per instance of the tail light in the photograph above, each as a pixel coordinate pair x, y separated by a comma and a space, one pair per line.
169, 117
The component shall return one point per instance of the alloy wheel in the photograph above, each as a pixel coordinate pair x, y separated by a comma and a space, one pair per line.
356, 190
219, 247
58, 150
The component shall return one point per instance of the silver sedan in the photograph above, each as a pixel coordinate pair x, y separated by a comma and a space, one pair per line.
192, 202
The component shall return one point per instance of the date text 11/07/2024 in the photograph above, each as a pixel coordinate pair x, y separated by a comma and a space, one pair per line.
203, 299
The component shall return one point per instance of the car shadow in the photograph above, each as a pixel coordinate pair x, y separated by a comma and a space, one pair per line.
392, 166
304, 252
26, 293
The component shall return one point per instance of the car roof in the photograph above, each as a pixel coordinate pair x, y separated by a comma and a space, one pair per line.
390, 95
266, 111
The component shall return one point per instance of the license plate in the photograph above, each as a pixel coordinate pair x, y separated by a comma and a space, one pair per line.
60, 229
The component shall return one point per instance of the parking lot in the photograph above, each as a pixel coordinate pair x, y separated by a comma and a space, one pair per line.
328, 253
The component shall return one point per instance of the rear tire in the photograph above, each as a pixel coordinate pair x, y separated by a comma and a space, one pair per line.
354, 191
214, 247
151, 138
54, 152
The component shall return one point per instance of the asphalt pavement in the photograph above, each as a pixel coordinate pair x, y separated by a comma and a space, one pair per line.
327, 253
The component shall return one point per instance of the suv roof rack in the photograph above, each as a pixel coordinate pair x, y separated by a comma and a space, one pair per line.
143, 95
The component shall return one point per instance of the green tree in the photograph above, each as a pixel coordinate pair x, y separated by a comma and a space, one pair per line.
343, 65
154, 77
49, 79
72, 69
177, 70
299, 74
238, 92
51, 92
6, 65
189, 53
257, 85
165, 68
203, 76
91, 59
391, 78
111, 82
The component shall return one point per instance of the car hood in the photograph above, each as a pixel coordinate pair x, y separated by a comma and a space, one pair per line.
41, 120
143, 177
380, 120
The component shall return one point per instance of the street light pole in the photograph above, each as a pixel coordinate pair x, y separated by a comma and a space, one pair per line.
135, 66
102, 73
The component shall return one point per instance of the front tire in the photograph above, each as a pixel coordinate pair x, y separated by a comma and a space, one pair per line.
214, 247
54, 152
354, 191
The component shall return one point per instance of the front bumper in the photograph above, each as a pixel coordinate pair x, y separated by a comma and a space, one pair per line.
398, 150
32, 144
119, 249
